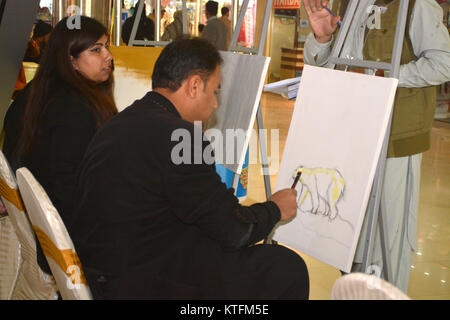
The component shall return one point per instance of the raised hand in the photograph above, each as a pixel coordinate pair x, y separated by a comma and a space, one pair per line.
322, 23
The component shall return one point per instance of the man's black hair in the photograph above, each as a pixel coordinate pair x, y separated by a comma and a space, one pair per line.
183, 58
224, 10
212, 7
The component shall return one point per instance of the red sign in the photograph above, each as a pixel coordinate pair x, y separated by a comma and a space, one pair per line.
286, 4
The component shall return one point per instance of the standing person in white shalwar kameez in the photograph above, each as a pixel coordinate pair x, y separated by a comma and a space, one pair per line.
425, 63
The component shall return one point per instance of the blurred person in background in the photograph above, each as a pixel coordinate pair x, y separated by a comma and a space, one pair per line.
215, 30
225, 18
146, 28
38, 42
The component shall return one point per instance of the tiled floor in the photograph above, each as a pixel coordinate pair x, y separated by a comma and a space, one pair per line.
430, 273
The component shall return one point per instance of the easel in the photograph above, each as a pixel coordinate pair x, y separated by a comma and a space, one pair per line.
259, 120
157, 42
376, 212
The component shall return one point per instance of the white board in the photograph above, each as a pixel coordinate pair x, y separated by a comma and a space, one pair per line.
242, 82
129, 87
133, 73
336, 135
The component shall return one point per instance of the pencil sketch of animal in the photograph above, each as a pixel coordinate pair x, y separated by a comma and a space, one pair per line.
319, 191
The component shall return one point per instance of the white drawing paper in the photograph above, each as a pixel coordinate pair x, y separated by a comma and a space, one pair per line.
335, 139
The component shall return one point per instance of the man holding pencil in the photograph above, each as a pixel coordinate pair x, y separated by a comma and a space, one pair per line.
150, 227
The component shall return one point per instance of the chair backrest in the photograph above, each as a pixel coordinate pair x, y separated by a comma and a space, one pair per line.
10, 258
32, 283
362, 286
54, 238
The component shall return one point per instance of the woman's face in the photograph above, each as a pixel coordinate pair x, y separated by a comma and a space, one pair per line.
95, 63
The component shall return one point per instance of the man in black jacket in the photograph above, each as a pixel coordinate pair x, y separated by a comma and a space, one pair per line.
155, 221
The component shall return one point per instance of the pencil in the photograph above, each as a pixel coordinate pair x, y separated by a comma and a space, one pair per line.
331, 12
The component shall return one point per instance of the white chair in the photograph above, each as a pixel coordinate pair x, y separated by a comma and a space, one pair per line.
54, 238
362, 286
10, 258
31, 282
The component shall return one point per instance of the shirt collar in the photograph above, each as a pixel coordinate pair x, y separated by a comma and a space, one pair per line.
162, 102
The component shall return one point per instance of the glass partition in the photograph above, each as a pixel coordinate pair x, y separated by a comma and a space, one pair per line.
114, 12
97, 9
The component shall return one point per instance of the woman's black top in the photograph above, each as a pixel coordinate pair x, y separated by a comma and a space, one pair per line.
67, 128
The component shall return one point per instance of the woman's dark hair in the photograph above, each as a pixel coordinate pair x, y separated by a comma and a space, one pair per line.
56, 70
183, 58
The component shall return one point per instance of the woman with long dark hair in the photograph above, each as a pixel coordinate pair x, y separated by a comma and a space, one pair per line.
70, 98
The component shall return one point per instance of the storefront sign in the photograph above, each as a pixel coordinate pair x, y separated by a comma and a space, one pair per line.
286, 4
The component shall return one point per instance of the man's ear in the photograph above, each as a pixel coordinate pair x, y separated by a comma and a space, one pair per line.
194, 85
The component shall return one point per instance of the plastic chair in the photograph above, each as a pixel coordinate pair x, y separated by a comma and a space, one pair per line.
54, 238
362, 286
10, 258
20, 252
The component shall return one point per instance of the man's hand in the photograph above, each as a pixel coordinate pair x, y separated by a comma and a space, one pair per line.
322, 23
286, 200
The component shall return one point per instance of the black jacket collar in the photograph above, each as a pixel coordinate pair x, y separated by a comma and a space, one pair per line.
162, 102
